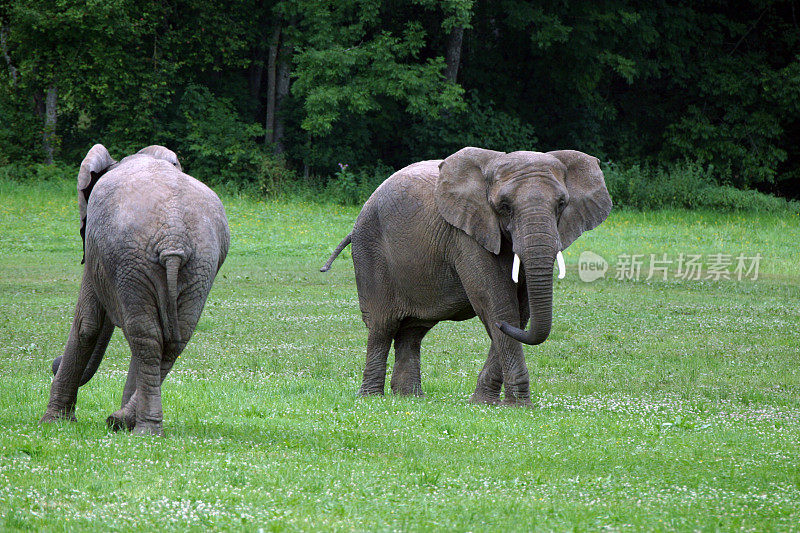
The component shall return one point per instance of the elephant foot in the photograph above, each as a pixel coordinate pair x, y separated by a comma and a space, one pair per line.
63, 416
516, 402
149, 428
416, 393
366, 391
484, 399
412, 390
120, 421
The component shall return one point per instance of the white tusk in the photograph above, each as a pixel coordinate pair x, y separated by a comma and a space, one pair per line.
515, 269
561, 267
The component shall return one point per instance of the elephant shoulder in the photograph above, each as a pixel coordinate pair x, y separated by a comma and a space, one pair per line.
424, 170
406, 196
414, 181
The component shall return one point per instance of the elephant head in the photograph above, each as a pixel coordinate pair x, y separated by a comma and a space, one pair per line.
541, 202
96, 163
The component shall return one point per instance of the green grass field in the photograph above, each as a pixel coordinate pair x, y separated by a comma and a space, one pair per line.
667, 406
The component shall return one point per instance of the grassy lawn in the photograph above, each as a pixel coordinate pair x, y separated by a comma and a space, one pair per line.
658, 405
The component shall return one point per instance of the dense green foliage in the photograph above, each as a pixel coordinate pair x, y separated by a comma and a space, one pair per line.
369, 83
685, 185
658, 406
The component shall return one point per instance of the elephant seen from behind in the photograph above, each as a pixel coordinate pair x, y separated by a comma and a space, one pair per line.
154, 239
437, 241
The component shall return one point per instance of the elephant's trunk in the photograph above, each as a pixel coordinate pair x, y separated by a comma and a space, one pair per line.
537, 259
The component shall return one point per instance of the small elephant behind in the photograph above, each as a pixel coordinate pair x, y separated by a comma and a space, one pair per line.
439, 240
154, 239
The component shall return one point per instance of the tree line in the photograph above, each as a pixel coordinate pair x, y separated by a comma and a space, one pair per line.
263, 90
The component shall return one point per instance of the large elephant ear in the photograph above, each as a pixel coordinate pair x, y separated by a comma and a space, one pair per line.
94, 165
462, 195
589, 201
160, 152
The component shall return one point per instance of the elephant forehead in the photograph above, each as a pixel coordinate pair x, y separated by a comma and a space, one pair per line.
515, 163
529, 164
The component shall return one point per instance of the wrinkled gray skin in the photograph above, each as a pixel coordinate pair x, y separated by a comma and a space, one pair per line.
154, 240
436, 241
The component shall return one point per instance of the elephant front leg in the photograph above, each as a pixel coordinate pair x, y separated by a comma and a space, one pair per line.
125, 417
407, 374
130, 382
493, 296
490, 380
83, 337
516, 380
510, 359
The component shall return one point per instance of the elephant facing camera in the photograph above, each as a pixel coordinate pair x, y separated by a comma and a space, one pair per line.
437, 241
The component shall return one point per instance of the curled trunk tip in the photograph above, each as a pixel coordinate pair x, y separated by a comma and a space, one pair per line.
531, 338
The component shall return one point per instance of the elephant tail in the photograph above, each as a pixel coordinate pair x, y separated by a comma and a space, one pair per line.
171, 261
342, 245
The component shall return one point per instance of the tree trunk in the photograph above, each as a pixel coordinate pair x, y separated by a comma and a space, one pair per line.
271, 75
256, 73
453, 59
12, 70
284, 65
50, 118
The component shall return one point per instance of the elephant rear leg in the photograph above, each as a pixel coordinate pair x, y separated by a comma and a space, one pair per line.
407, 374
82, 341
378, 343
170, 354
125, 417
144, 339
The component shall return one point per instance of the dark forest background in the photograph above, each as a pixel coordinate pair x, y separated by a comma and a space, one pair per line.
674, 96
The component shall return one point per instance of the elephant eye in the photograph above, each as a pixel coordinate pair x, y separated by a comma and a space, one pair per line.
504, 208
562, 203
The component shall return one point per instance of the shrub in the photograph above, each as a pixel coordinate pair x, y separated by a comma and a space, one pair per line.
215, 145
654, 188
348, 187
38, 172
14, 173
343, 186
274, 177
727, 198
687, 185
